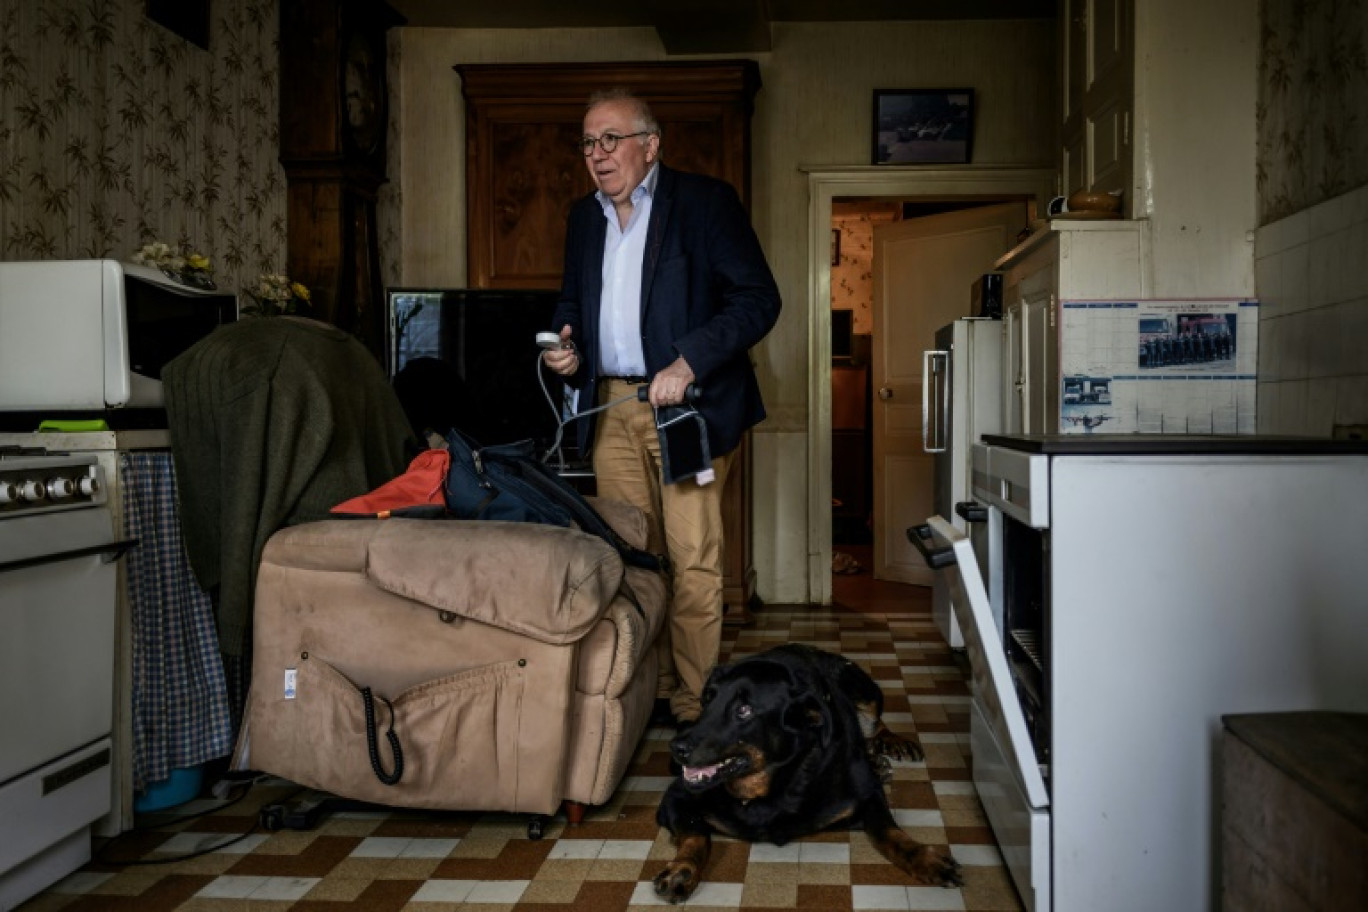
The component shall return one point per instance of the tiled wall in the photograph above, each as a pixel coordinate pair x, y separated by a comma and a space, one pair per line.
1311, 270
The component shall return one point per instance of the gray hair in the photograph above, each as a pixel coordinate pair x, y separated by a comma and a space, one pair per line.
642, 118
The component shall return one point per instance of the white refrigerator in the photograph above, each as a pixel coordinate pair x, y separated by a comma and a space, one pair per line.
961, 400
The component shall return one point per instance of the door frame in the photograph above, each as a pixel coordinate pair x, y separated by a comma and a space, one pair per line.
967, 182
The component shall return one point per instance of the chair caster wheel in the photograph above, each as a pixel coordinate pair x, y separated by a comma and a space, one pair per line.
536, 828
272, 818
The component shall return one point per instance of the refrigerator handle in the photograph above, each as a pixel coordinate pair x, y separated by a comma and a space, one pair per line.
930, 374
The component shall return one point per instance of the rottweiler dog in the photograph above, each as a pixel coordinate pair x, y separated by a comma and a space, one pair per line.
790, 742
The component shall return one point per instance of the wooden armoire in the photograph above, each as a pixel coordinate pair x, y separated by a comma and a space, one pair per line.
524, 170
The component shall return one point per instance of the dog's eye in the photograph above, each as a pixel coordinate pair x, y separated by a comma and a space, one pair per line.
743, 711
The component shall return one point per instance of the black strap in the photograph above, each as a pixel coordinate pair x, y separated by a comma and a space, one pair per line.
631, 597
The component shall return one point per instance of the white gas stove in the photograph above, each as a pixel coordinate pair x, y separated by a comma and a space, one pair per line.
57, 621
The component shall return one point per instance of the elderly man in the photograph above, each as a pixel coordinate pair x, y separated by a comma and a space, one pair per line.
665, 283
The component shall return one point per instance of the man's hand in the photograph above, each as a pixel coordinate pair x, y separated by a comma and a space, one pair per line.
563, 360
668, 386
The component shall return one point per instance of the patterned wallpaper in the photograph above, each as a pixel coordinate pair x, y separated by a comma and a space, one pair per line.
114, 132
1313, 103
852, 279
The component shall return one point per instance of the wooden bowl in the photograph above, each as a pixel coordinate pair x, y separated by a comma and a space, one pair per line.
1094, 201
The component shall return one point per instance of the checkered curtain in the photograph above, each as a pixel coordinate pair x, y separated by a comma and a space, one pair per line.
180, 702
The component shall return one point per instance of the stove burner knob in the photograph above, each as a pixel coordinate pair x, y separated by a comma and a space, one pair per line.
31, 491
8, 493
89, 485
60, 488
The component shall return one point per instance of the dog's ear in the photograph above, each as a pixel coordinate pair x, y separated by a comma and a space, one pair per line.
807, 711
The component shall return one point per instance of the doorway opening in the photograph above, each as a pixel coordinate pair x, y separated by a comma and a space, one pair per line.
835, 197
855, 533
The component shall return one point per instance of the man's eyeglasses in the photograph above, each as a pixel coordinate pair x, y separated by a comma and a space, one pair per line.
608, 141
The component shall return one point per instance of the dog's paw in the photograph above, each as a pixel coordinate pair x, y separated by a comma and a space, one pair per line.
677, 882
886, 743
883, 768
923, 863
934, 866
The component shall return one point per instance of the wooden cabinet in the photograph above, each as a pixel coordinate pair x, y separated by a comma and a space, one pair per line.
851, 482
1098, 45
1294, 812
524, 170
1064, 261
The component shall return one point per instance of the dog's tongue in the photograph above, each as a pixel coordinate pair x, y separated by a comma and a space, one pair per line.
699, 773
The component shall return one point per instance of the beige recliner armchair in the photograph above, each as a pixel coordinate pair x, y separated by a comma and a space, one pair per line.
451, 664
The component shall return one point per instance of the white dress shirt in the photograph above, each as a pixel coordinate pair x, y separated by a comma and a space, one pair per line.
620, 351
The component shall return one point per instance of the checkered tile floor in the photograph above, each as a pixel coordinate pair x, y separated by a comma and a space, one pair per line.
409, 861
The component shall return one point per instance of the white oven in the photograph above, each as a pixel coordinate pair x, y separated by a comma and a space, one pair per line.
83, 336
57, 620
1147, 586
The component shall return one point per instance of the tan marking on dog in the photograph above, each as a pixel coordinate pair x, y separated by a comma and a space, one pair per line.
842, 815
925, 864
721, 826
755, 784
683, 875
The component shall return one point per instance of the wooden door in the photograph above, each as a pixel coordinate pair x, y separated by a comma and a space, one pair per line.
923, 270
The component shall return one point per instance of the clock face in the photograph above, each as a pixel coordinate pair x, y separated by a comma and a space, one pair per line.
364, 90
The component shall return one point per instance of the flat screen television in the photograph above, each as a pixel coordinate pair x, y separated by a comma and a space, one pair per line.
468, 358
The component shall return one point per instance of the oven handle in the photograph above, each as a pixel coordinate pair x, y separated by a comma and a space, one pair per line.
109, 552
936, 558
971, 511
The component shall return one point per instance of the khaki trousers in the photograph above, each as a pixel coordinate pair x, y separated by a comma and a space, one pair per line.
687, 518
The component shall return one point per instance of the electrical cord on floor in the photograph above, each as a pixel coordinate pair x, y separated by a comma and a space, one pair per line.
100, 857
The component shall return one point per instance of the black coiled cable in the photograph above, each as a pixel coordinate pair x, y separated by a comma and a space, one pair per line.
387, 778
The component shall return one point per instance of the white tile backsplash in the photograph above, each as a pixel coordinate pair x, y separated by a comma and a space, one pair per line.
1311, 273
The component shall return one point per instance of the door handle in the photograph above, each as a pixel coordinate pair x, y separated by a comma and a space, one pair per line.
108, 553
885, 393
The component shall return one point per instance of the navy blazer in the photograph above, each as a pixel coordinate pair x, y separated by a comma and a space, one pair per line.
706, 293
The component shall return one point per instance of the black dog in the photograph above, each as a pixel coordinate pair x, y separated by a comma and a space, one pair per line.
788, 744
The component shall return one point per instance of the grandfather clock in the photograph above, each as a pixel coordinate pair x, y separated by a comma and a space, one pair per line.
334, 112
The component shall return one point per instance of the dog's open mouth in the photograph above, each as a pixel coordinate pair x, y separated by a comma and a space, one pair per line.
701, 777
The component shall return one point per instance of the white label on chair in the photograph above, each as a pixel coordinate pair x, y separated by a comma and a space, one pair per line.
290, 677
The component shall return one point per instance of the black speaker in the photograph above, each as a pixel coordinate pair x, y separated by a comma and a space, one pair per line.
986, 296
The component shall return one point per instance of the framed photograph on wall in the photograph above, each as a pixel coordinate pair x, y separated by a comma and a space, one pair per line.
923, 126
187, 18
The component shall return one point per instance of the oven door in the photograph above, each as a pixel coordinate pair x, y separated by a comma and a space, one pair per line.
1008, 780
58, 587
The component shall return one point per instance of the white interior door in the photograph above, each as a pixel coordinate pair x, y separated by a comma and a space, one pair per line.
923, 270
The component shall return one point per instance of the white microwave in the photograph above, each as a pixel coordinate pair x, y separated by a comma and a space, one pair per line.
85, 335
